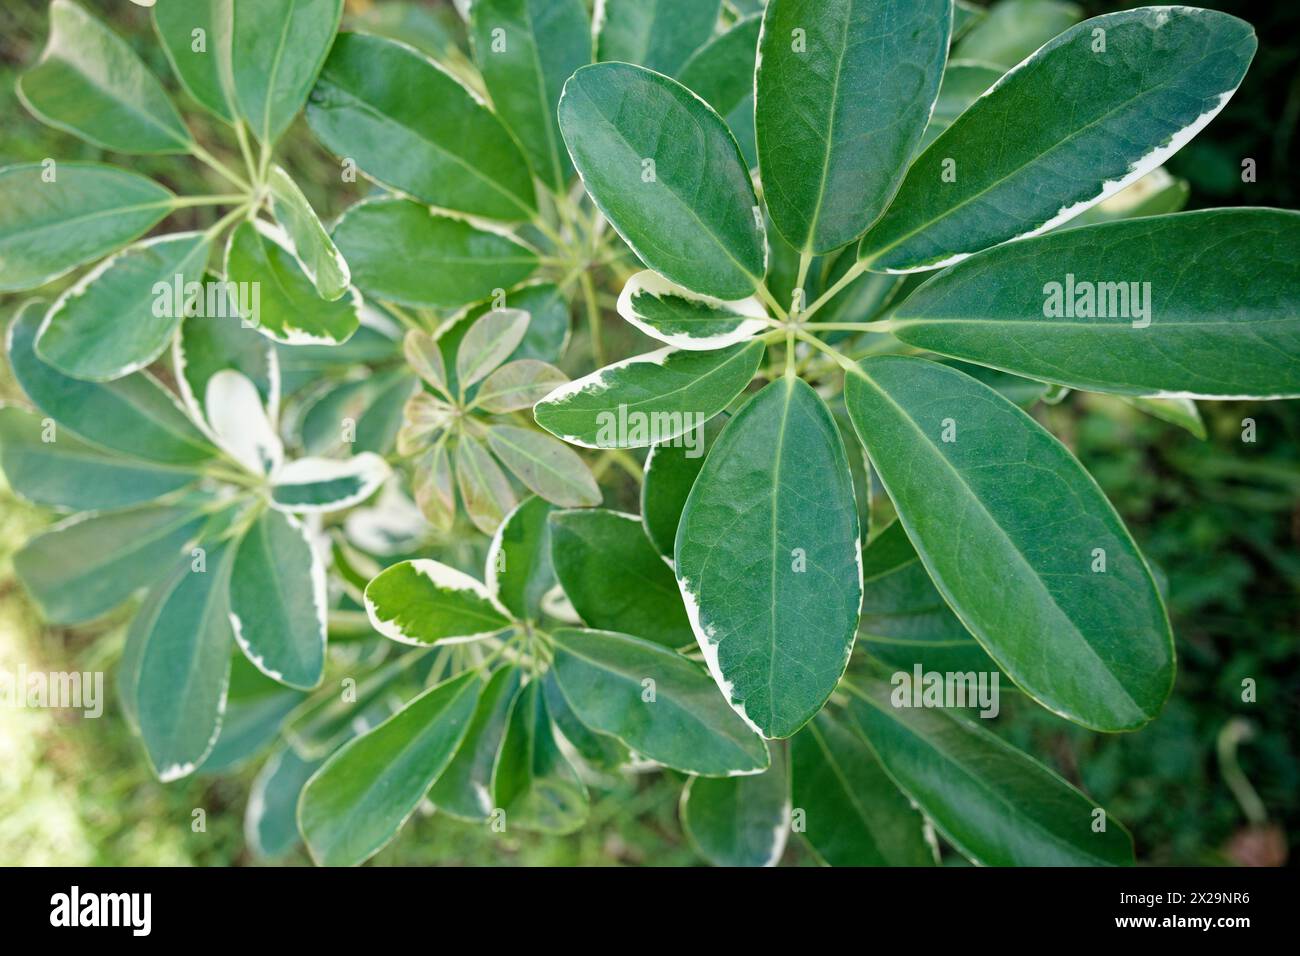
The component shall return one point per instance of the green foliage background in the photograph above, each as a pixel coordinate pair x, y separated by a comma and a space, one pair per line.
1221, 518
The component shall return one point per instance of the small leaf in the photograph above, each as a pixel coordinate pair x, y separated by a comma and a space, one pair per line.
48, 228
422, 354
1074, 617
488, 343
424, 602
1177, 411
344, 817
722, 73
1095, 308
414, 128
548, 331
208, 344
204, 73
614, 579
771, 524
403, 252
518, 385
278, 601
435, 495
995, 804
657, 702
519, 569
240, 423
853, 813
464, 789
484, 488
327, 484
666, 172
284, 304
321, 260
739, 821
648, 399
114, 320
546, 467
995, 173
66, 472
684, 320
92, 84
839, 113
271, 815
525, 50
532, 782
658, 34
1011, 30
599, 751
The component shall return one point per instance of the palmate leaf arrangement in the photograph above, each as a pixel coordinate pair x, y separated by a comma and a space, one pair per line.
867, 207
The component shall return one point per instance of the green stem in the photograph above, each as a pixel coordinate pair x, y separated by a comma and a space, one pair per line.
219, 199
855, 270
203, 156
593, 319
765, 294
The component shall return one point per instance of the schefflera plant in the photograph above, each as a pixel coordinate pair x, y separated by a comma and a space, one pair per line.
1021, 564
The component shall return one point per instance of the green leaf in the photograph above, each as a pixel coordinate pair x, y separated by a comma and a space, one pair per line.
648, 399
768, 559
425, 602
123, 314
722, 73
179, 665
421, 351
320, 258
413, 127
670, 472
89, 82
843, 93
739, 821
432, 488
666, 172
1177, 411
1013, 29
328, 484
464, 789
133, 415
374, 404
284, 305
1016, 164
532, 782
995, 804
278, 601
205, 73
1154, 194
208, 344
658, 34
853, 813
904, 620
277, 49
684, 320
1097, 309
963, 82
488, 343
256, 709
91, 563
1015, 535
519, 569
599, 751
363, 795
271, 815
546, 467
615, 579
66, 472
660, 704
400, 251
484, 489
518, 385
525, 50
48, 228
548, 331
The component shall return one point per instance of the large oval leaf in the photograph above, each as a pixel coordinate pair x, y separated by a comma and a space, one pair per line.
996, 805
413, 127
425, 602
1017, 163
614, 578
664, 169
114, 321
1098, 308
1019, 540
204, 70
363, 795
722, 73
91, 83
525, 50
739, 821
844, 90
649, 399
768, 559
50, 226
401, 251
657, 702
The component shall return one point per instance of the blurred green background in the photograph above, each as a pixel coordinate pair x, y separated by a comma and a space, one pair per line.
1221, 518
